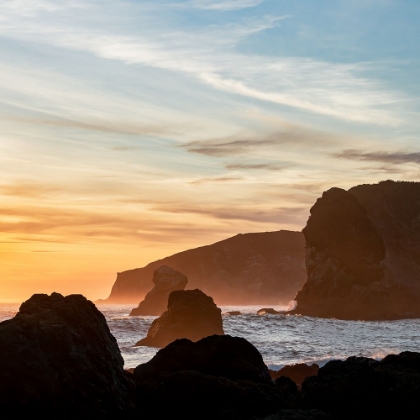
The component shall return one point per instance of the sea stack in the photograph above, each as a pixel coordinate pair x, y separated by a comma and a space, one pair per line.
166, 280
363, 253
191, 314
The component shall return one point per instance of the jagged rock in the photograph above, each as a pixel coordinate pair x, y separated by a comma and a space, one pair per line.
363, 253
223, 377
364, 388
297, 373
191, 314
243, 270
297, 414
59, 360
265, 311
233, 313
166, 280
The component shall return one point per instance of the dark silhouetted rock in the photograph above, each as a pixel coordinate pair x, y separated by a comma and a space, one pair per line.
243, 270
218, 377
191, 314
233, 313
265, 311
363, 253
299, 415
364, 388
297, 373
59, 360
166, 280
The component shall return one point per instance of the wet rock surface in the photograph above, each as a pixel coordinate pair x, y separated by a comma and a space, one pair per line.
297, 373
58, 359
166, 280
191, 314
220, 377
299, 415
363, 253
364, 388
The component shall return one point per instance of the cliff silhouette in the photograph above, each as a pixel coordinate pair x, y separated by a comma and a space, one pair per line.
363, 253
248, 268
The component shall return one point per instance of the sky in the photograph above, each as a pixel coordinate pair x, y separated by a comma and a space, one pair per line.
132, 130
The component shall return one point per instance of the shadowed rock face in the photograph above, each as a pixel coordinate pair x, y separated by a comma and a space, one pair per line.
363, 253
59, 360
297, 373
218, 377
191, 314
246, 269
362, 388
166, 280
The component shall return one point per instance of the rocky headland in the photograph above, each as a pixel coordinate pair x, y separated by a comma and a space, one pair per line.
191, 314
246, 269
166, 280
363, 253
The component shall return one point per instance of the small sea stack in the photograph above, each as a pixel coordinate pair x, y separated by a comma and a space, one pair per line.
269, 311
191, 314
166, 280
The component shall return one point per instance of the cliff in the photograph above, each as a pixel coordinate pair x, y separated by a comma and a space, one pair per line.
245, 269
363, 253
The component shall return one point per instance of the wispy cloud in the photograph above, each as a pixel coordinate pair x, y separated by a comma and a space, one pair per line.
256, 166
394, 158
215, 180
225, 5
209, 55
292, 136
117, 127
245, 213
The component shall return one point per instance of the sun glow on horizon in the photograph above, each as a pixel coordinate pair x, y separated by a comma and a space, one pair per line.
135, 130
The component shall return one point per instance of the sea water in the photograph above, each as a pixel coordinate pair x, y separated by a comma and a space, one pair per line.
281, 339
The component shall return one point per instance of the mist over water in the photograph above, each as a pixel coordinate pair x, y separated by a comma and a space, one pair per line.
281, 339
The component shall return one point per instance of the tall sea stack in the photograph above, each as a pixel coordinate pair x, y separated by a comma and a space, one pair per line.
363, 253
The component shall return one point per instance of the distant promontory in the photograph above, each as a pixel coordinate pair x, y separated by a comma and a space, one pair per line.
252, 268
363, 253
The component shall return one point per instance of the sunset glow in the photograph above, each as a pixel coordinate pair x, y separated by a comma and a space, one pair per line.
132, 130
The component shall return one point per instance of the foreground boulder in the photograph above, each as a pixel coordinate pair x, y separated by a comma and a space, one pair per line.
297, 372
218, 377
299, 415
166, 280
363, 253
59, 360
191, 314
363, 388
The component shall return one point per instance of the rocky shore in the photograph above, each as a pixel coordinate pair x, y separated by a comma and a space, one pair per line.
58, 359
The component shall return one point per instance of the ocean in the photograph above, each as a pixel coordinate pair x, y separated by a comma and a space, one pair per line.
281, 339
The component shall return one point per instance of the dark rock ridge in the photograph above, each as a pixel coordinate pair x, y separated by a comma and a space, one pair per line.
59, 360
363, 388
191, 314
297, 372
218, 377
251, 268
363, 253
166, 280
